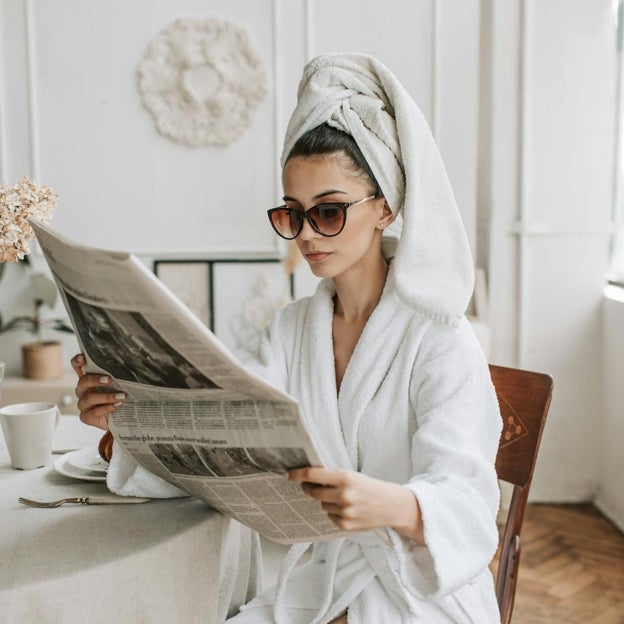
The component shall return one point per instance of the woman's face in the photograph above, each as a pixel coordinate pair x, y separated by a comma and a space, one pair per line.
309, 181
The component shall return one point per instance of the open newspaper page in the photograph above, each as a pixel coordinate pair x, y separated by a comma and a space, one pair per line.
194, 416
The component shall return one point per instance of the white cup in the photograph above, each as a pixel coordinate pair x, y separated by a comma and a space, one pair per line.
28, 430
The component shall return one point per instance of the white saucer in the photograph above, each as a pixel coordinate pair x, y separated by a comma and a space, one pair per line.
87, 459
62, 466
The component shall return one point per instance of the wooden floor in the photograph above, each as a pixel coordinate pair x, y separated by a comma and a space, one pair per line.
571, 567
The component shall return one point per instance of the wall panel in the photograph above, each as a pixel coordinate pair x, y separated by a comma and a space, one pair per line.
402, 38
563, 311
552, 129
14, 107
123, 185
433, 48
457, 101
571, 94
100, 149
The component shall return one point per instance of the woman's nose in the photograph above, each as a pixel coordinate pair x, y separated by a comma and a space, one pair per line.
307, 231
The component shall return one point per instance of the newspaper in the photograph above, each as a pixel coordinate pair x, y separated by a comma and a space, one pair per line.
193, 415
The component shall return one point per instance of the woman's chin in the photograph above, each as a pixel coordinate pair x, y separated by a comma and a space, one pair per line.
321, 269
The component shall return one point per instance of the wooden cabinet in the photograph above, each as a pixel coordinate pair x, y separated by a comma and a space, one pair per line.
59, 391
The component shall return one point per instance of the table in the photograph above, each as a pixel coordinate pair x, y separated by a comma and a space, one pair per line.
174, 561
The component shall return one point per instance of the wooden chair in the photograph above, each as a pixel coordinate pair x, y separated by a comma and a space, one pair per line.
524, 399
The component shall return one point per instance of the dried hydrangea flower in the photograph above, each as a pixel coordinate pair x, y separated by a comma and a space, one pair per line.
25, 200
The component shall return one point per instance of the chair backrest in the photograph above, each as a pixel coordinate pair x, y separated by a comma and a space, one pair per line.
524, 399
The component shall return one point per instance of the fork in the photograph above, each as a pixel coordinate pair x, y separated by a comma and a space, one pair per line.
83, 500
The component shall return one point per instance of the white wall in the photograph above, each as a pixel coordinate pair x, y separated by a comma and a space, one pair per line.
89, 137
610, 496
72, 117
549, 189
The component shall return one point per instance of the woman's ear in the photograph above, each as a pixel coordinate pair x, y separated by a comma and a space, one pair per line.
386, 216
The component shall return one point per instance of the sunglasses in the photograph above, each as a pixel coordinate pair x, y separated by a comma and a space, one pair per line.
325, 219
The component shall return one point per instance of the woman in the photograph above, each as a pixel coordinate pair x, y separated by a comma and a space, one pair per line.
391, 379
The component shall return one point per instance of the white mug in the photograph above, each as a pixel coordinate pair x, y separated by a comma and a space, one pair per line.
28, 430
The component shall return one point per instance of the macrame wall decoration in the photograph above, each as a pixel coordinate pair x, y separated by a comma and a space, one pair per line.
201, 80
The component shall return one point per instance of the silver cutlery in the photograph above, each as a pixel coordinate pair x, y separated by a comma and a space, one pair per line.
84, 500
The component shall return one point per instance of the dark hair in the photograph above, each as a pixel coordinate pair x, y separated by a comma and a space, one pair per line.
324, 140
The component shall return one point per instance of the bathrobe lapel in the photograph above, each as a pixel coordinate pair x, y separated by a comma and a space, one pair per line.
369, 366
316, 379
334, 417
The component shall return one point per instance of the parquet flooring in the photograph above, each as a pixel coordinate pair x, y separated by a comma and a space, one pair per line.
571, 567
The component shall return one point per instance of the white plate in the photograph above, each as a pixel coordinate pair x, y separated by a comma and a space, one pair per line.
62, 466
87, 459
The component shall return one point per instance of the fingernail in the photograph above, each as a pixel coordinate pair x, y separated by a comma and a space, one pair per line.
80, 358
104, 380
120, 395
118, 404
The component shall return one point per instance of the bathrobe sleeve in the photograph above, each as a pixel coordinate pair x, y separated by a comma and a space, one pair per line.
127, 477
453, 452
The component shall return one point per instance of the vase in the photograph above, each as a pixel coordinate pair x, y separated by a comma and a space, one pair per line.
42, 360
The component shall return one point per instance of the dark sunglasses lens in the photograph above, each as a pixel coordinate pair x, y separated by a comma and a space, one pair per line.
328, 218
286, 221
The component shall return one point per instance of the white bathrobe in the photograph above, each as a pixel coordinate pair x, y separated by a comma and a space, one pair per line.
417, 407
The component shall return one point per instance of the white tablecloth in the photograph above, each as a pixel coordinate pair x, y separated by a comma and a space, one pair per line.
173, 561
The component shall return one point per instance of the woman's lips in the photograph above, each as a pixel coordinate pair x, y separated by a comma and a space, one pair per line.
316, 256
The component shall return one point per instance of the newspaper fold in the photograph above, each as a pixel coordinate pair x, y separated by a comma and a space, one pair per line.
193, 415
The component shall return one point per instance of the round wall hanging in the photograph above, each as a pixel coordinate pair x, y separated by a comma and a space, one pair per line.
201, 80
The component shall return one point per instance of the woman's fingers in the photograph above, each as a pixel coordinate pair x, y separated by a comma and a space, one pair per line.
96, 406
353, 501
325, 493
95, 399
78, 362
319, 475
90, 400
90, 382
97, 416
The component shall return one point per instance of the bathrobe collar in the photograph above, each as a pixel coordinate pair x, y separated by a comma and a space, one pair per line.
342, 411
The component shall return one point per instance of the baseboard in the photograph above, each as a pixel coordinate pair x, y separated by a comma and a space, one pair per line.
562, 493
612, 511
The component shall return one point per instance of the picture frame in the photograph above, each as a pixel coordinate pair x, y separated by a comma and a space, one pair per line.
235, 298
246, 296
191, 282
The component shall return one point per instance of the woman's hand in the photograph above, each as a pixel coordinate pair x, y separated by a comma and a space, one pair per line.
356, 502
95, 401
